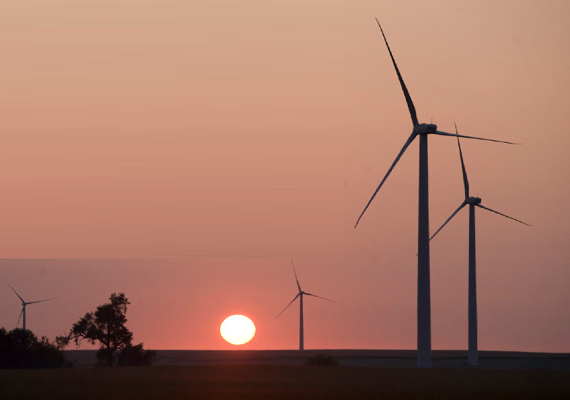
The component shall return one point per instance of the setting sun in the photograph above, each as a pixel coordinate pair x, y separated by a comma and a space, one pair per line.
237, 329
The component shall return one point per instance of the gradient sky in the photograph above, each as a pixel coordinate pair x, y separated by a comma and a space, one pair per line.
183, 153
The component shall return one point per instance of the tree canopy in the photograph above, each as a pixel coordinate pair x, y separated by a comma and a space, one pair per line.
106, 327
20, 348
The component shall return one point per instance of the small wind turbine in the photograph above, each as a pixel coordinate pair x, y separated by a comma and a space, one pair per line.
24, 304
472, 291
300, 295
424, 299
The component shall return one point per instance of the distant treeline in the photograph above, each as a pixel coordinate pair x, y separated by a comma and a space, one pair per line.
20, 348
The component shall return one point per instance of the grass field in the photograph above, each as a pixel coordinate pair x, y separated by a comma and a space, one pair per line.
282, 382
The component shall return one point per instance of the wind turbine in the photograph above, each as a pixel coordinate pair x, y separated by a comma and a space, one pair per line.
472, 291
24, 304
300, 295
421, 130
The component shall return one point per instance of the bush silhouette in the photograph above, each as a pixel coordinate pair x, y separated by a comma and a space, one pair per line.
132, 356
322, 359
20, 349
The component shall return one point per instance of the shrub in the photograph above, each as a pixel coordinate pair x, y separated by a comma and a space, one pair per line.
322, 359
135, 356
20, 348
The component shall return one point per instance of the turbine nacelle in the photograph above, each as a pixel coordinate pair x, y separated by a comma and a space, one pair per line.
473, 200
424, 129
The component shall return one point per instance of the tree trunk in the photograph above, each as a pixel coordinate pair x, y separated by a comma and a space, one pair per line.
109, 357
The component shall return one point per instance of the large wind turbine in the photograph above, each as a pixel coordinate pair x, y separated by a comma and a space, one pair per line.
300, 295
24, 304
472, 291
421, 130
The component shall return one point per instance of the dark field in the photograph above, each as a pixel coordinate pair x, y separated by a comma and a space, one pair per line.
347, 358
279, 375
282, 382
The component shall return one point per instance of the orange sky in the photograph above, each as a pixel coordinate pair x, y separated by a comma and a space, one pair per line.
214, 142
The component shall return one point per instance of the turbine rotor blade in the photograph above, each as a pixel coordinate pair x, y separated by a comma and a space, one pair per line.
408, 142
404, 89
299, 286
496, 212
445, 223
470, 137
21, 312
465, 181
298, 294
39, 301
13, 290
314, 295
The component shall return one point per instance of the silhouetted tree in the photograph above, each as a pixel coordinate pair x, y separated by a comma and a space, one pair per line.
105, 326
20, 348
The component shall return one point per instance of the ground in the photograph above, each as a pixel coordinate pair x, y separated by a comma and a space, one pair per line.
280, 375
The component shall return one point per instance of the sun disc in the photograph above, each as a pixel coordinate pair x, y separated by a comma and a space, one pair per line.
237, 329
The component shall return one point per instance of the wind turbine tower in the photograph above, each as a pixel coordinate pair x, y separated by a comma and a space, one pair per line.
300, 295
24, 304
424, 298
473, 202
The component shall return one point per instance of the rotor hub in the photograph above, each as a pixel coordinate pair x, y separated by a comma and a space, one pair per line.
425, 129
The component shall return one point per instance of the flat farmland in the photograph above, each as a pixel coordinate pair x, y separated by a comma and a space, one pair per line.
280, 374
282, 382
345, 358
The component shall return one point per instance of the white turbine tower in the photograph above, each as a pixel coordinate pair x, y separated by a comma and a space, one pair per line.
300, 295
472, 291
24, 304
421, 130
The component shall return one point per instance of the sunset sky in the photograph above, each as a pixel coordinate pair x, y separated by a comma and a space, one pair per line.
183, 152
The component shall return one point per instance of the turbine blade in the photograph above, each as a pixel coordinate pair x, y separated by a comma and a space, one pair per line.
21, 312
408, 142
39, 301
465, 181
13, 290
404, 89
445, 223
298, 294
299, 286
470, 137
309, 294
496, 212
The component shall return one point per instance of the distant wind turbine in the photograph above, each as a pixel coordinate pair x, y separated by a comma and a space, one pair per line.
472, 291
300, 295
24, 304
421, 130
